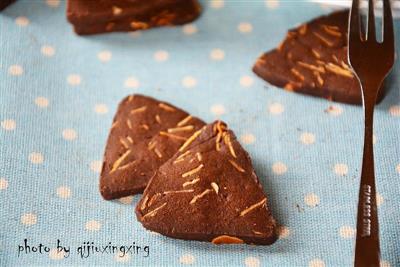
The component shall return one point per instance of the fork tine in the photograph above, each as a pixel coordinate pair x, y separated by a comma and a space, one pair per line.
388, 33
371, 22
354, 24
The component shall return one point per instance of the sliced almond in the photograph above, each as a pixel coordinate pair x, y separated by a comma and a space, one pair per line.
153, 212
311, 67
118, 162
166, 107
331, 31
158, 119
254, 206
191, 182
187, 128
174, 136
237, 167
129, 123
297, 74
227, 141
215, 187
138, 25
323, 39
191, 172
116, 10
184, 121
339, 70
158, 153
190, 140
138, 110
197, 197
226, 239
178, 191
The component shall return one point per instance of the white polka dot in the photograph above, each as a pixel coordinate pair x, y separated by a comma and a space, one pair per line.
69, 134
283, 231
92, 225
279, 168
187, 259
3, 184
272, 4
74, 79
53, 3
48, 50
246, 81
394, 111
120, 257
218, 109
379, 199
334, 110
217, 4
347, 232
100, 109
161, 55
42, 102
341, 169
276, 108
245, 27
189, 81
29, 219
8, 125
126, 200
316, 263
54, 254
132, 82
217, 54
311, 200
15, 70
383, 263
189, 29
248, 138
36, 158
135, 34
398, 168
96, 166
104, 56
64, 192
22, 21
307, 138
252, 262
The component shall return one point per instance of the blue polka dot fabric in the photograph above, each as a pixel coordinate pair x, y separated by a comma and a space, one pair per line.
58, 95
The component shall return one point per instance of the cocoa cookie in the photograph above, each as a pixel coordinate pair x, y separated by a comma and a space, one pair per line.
145, 133
312, 60
101, 16
208, 191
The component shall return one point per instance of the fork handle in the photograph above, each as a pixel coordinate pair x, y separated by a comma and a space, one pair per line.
367, 252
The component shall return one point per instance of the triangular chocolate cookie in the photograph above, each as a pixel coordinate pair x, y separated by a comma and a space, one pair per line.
313, 60
208, 191
101, 16
145, 133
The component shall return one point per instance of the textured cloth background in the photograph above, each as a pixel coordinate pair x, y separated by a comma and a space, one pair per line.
58, 95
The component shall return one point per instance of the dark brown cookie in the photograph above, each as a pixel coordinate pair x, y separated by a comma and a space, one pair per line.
208, 191
145, 133
91, 17
313, 60
5, 3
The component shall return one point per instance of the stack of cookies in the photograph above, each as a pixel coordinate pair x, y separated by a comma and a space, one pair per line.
198, 181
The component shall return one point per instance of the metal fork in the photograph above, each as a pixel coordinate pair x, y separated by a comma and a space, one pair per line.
371, 61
